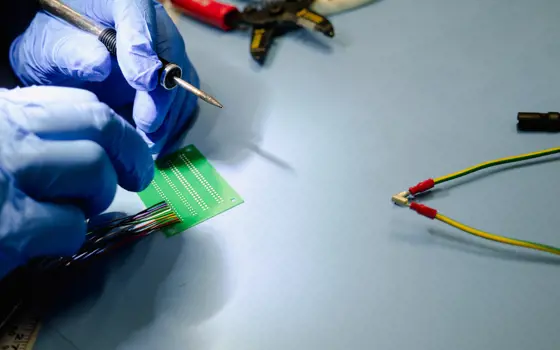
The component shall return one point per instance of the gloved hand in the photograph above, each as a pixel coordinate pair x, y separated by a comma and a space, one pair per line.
60, 163
52, 52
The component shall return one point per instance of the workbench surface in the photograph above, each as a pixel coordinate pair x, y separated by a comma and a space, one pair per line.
316, 142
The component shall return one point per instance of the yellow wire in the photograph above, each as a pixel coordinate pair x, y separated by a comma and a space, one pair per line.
497, 238
497, 161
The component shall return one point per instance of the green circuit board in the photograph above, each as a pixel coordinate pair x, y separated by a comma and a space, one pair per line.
192, 187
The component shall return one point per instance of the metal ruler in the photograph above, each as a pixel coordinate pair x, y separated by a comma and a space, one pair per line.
20, 331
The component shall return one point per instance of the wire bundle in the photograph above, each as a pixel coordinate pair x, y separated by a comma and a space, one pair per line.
117, 233
38, 284
403, 199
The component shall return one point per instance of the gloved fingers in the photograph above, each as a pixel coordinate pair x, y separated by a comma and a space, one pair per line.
48, 94
115, 92
176, 118
32, 228
152, 108
47, 229
81, 56
135, 23
51, 51
31, 54
96, 122
175, 123
71, 172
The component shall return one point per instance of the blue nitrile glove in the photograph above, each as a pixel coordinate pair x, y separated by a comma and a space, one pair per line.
52, 52
62, 154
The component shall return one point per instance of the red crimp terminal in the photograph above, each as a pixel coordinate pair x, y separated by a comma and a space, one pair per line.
423, 210
422, 186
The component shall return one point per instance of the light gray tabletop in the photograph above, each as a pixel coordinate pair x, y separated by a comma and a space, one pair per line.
316, 142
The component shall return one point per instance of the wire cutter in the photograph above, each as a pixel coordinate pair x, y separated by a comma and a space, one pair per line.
267, 20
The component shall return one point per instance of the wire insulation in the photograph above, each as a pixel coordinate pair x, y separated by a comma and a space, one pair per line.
108, 236
497, 238
433, 214
499, 161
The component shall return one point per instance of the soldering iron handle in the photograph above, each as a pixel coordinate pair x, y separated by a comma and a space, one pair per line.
168, 70
211, 12
109, 38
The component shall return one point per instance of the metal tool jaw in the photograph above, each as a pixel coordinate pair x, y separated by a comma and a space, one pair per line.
277, 18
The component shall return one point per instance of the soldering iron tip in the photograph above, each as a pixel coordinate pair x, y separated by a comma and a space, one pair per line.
211, 100
201, 94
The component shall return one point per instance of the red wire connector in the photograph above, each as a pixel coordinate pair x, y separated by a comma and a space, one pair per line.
402, 198
421, 187
423, 210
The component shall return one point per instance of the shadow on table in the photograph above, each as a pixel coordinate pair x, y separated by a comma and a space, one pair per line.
109, 303
224, 134
482, 248
233, 134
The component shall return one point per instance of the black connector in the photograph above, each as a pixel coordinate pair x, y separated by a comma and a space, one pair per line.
533, 121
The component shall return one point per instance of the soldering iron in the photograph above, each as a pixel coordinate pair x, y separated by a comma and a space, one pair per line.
170, 74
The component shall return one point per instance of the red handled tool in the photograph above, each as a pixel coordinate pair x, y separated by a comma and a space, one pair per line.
267, 21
